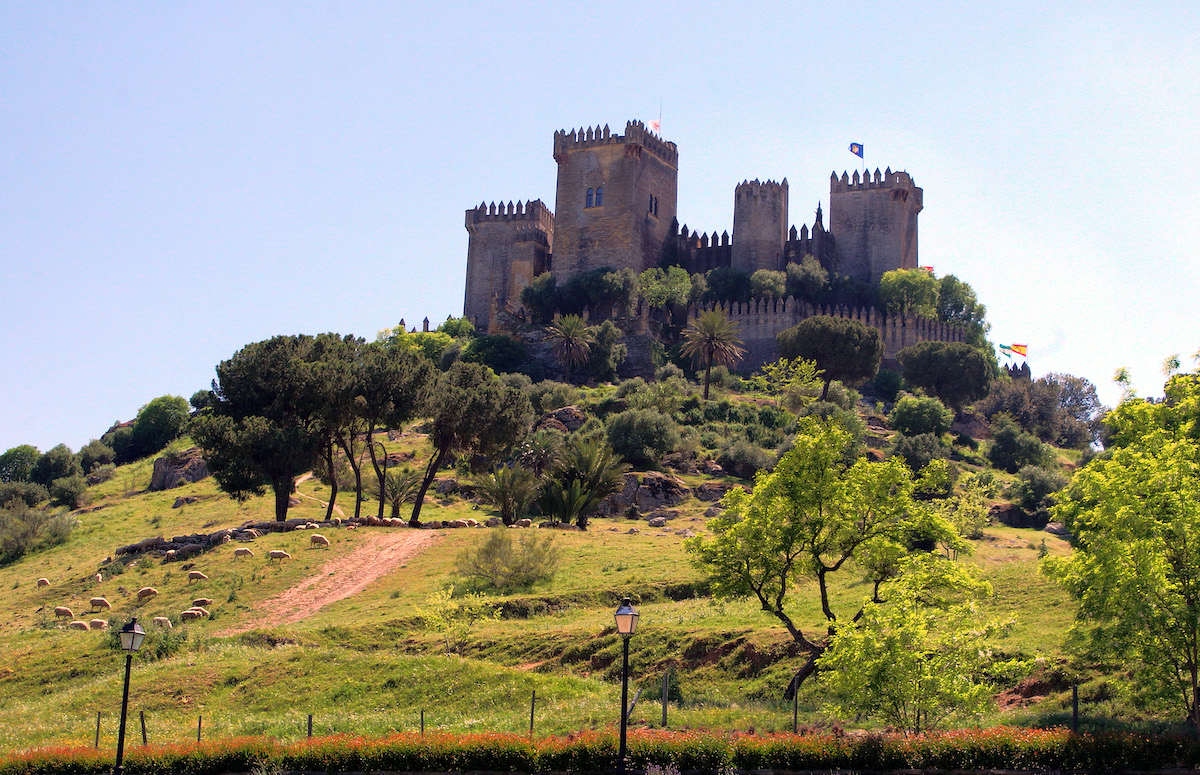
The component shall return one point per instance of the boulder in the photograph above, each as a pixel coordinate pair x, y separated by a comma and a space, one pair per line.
972, 425
713, 511
712, 491
176, 468
711, 468
620, 501
445, 485
1014, 516
184, 500
686, 533
570, 418
658, 490
658, 522
1058, 529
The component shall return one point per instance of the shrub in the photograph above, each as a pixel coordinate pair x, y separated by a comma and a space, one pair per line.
459, 328
502, 564
1012, 448
918, 451
69, 491
668, 371
742, 459
24, 530
95, 453
499, 352
548, 395
642, 436
831, 412
914, 415
630, 387
1034, 487
888, 384
28, 493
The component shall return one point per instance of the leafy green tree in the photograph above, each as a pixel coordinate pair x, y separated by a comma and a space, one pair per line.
471, 412
459, 328
598, 291
16, 464
919, 451
540, 297
158, 423
660, 288
608, 352
263, 423
1035, 487
95, 453
1134, 513
69, 491
914, 415
955, 372
791, 380
642, 436
712, 339
917, 666
511, 489
909, 292
1012, 448
499, 352
727, 285
58, 462
329, 376
820, 513
768, 284
807, 280
572, 340
956, 303
843, 349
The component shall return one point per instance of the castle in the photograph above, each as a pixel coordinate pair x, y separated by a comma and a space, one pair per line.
616, 206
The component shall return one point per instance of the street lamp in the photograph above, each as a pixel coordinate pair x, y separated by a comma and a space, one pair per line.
132, 636
627, 619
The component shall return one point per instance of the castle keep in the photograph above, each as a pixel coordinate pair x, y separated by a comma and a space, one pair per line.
616, 207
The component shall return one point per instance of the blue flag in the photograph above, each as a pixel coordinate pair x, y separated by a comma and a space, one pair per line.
856, 149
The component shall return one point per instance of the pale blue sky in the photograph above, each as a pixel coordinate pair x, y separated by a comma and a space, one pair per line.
178, 180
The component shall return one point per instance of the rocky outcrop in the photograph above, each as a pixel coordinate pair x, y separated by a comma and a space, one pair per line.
175, 468
657, 490
568, 418
1014, 516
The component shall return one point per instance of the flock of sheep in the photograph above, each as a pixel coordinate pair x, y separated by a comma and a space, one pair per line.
198, 609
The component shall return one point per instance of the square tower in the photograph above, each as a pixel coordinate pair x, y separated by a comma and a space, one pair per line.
874, 222
616, 199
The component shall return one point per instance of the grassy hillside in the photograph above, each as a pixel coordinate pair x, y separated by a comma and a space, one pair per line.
370, 663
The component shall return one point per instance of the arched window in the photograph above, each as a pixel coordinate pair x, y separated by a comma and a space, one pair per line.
599, 195
589, 198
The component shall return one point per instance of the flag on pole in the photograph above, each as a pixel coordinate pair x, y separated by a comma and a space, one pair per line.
856, 149
1006, 351
926, 268
1021, 350
656, 126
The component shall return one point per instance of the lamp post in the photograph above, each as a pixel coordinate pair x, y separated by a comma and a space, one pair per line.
627, 619
132, 636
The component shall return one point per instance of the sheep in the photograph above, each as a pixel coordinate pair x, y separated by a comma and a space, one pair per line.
352, 527
77, 625
336, 521
99, 577
97, 624
318, 540
170, 555
189, 614
243, 551
195, 575
145, 593
100, 602
278, 554
201, 602
200, 610
43, 582
162, 621
62, 612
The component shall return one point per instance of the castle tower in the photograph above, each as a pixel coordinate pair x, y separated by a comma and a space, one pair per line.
874, 222
508, 246
760, 221
616, 199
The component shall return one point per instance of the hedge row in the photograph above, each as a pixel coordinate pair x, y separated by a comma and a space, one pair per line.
595, 752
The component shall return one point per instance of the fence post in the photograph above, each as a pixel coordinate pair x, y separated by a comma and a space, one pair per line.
532, 706
665, 681
142, 714
199, 726
97, 729
1075, 708
310, 725
422, 721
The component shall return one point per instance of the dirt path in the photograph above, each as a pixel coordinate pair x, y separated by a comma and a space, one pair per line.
339, 578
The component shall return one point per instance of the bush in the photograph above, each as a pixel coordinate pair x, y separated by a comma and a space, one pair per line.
548, 395
24, 530
630, 386
1013, 449
95, 453
668, 371
1034, 487
743, 460
27, 493
919, 451
915, 415
888, 384
642, 436
69, 491
831, 412
502, 564
499, 352
55, 463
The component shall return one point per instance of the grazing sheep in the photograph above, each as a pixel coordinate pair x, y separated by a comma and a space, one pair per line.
318, 540
336, 521
189, 615
278, 554
77, 625
195, 575
162, 621
200, 610
97, 624
352, 527
62, 612
145, 593
100, 602
201, 602
43, 582
242, 551
99, 577
170, 555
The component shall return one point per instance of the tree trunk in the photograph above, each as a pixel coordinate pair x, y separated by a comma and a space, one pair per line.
435, 463
806, 670
707, 371
379, 470
333, 484
283, 492
347, 444
825, 390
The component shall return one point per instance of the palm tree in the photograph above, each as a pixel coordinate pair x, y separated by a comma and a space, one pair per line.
713, 339
573, 339
511, 489
586, 472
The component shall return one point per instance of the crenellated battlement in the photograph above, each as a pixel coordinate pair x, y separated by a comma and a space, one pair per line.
756, 188
885, 180
636, 134
533, 212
